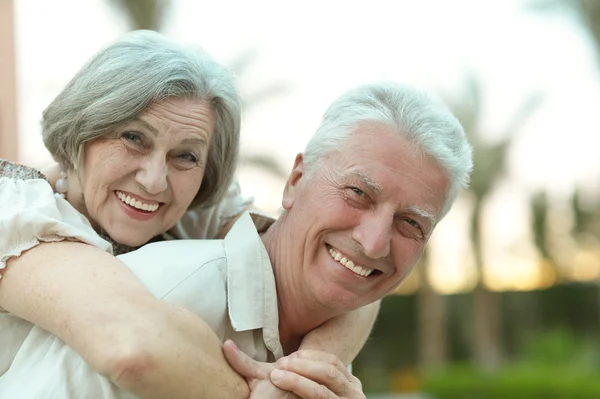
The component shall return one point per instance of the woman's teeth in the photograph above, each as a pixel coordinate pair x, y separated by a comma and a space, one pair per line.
136, 203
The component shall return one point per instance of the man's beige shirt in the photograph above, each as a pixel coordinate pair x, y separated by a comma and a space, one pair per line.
229, 283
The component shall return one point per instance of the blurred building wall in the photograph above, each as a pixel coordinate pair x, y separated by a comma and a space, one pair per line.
8, 92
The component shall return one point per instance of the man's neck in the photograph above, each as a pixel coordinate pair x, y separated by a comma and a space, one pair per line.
299, 313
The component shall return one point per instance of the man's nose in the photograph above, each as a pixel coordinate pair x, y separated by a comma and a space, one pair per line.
374, 234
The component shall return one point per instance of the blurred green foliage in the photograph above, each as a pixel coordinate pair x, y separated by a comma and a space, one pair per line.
559, 347
517, 382
554, 364
551, 337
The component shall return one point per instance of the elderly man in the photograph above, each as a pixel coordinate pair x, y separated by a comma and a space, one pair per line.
360, 204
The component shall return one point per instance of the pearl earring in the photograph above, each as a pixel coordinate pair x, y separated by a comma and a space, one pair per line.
62, 184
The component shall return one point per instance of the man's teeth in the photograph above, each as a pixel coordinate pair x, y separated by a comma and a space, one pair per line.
136, 203
360, 270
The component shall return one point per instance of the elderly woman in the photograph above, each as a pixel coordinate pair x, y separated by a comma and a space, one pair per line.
146, 136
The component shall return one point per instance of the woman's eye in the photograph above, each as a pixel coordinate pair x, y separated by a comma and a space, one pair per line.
189, 157
133, 137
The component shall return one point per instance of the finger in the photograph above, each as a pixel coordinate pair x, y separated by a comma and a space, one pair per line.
323, 357
244, 364
322, 373
301, 386
265, 389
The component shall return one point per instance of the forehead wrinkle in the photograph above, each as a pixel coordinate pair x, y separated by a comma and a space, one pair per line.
197, 139
194, 140
147, 125
367, 180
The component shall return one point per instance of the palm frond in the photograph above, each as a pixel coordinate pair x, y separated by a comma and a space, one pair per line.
264, 162
144, 14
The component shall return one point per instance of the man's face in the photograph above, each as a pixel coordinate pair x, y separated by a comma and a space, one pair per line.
361, 221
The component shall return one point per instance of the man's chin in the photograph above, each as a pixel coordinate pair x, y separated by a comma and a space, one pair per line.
342, 300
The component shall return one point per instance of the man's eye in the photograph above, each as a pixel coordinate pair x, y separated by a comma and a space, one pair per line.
415, 229
413, 223
410, 228
358, 191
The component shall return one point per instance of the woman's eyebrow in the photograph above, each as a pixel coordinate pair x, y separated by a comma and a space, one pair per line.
148, 126
190, 140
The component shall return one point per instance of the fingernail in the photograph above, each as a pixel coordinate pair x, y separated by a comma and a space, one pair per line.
234, 345
277, 375
283, 362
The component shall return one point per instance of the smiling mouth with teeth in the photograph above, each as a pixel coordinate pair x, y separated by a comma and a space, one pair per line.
348, 264
140, 206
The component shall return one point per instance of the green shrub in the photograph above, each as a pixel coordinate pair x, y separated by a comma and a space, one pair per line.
519, 382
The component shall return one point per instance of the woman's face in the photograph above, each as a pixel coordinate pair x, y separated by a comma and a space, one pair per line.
139, 180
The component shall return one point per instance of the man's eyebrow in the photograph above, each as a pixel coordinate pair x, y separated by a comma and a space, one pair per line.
423, 213
148, 126
367, 180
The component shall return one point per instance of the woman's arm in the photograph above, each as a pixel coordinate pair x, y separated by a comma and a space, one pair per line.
97, 306
345, 335
93, 302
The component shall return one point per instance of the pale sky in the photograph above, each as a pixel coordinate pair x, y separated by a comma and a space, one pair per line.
317, 49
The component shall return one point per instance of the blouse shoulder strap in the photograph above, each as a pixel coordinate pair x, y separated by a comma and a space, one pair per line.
17, 171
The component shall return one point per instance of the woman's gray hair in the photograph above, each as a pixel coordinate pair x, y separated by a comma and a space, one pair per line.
122, 80
421, 119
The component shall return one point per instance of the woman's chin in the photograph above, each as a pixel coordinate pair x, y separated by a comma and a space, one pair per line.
131, 240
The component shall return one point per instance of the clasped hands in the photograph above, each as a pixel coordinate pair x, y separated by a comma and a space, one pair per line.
305, 374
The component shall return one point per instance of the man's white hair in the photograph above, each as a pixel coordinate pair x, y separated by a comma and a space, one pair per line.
418, 117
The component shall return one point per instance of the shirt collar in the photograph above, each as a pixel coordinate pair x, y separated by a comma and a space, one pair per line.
251, 290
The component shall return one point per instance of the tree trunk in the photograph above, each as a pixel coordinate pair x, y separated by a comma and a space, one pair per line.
487, 307
432, 322
598, 299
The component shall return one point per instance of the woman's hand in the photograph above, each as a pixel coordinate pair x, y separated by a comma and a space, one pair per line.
306, 374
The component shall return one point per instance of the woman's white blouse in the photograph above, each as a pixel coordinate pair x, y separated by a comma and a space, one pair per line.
30, 213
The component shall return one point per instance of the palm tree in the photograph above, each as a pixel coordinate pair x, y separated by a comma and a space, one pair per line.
586, 221
489, 166
584, 218
588, 12
539, 210
539, 223
150, 15
586, 226
144, 14
261, 161
431, 320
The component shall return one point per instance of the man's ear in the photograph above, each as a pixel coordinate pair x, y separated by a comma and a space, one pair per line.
290, 190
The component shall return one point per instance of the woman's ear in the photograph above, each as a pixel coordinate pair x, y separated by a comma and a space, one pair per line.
290, 190
52, 172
